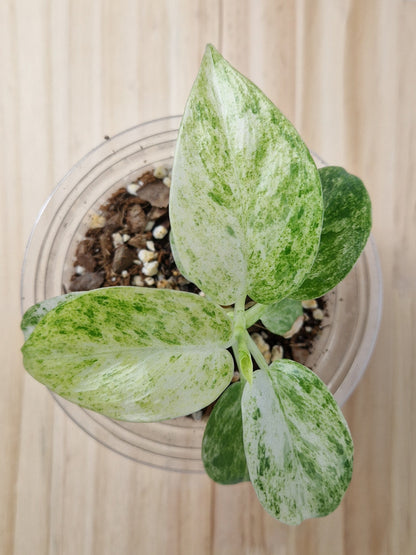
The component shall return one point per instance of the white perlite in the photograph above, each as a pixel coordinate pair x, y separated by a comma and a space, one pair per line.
160, 172
117, 239
137, 281
132, 188
277, 353
150, 268
97, 221
159, 232
310, 304
318, 314
146, 255
262, 345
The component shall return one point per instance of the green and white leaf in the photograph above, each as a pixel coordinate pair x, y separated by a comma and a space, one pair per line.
346, 228
133, 353
245, 199
280, 317
35, 313
222, 445
298, 447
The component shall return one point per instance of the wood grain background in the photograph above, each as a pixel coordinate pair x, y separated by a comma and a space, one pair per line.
72, 71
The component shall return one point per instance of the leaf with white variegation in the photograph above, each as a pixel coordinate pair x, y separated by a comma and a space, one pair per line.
280, 317
245, 199
222, 445
133, 353
298, 447
346, 228
35, 313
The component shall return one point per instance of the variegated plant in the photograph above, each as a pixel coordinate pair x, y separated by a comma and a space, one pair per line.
251, 216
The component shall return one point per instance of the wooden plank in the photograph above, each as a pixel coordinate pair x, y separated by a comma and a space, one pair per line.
73, 71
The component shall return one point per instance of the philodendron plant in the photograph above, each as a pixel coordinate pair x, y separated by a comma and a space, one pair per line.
252, 218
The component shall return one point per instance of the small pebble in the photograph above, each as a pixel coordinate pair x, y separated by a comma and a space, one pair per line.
236, 377
150, 246
124, 273
201, 294
117, 239
160, 172
308, 329
126, 237
159, 232
97, 221
149, 281
262, 345
260, 342
318, 314
123, 257
137, 281
310, 304
132, 188
297, 325
151, 268
88, 281
136, 219
164, 284
79, 270
277, 353
146, 255
167, 181
149, 225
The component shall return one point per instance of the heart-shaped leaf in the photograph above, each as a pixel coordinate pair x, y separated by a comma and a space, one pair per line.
245, 199
133, 353
280, 317
35, 313
222, 446
346, 227
298, 447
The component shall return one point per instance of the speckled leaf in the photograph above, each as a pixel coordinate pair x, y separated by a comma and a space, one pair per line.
346, 227
133, 353
280, 317
222, 446
298, 447
35, 313
245, 199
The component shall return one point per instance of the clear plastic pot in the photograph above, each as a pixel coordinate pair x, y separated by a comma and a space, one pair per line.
340, 354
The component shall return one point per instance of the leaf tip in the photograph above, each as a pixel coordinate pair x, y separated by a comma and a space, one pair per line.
211, 50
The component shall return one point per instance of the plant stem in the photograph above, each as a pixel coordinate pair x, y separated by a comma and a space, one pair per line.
255, 352
240, 347
255, 313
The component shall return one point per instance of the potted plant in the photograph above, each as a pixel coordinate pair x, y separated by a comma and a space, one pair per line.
252, 219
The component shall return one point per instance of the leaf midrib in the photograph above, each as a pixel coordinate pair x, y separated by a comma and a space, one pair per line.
161, 349
299, 466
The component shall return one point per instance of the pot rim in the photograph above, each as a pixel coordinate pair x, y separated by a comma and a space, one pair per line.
182, 437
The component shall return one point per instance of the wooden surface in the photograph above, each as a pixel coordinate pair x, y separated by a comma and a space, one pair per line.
72, 71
